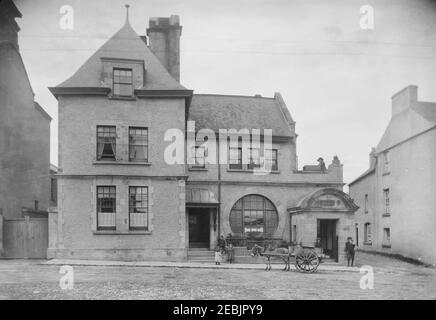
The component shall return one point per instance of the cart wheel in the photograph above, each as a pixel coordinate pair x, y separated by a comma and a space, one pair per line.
307, 261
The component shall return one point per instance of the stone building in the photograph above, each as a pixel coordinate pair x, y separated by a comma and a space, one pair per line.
396, 195
24, 128
120, 198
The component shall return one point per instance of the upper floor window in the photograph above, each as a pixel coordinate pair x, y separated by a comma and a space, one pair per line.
123, 82
106, 207
387, 210
254, 158
235, 158
138, 144
271, 156
366, 203
199, 154
138, 208
386, 162
106, 142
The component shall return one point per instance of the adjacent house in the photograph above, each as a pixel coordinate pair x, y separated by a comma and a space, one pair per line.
24, 128
120, 198
396, 195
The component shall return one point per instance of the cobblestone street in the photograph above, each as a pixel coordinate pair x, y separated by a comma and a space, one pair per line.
393, 279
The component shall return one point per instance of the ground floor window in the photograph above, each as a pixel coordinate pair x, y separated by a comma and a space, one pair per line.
254, 215
387, 237
106, 207
138, 208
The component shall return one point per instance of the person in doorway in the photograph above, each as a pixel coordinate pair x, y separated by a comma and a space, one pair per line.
350, 251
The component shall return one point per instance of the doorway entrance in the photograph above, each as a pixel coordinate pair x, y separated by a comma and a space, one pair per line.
199, 227
326, 233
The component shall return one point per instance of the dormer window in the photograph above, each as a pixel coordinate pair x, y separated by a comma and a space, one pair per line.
123, 82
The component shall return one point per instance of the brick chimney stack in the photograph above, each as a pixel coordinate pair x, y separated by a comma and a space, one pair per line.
404, 99
8, 27
164, 41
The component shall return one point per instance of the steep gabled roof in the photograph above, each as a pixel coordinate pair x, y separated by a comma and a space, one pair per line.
420, 117
125, 44
216, 112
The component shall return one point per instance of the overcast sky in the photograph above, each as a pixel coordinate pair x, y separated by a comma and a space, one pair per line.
336, 78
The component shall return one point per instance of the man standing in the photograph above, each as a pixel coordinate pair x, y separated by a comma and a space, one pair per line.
350, 251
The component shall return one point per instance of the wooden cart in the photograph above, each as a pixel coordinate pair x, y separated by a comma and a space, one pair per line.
305, 258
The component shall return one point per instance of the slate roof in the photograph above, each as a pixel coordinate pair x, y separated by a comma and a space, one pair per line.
216, 112
363, 175
125, 44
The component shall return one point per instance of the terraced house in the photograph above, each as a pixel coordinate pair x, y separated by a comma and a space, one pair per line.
119, 198
396, 195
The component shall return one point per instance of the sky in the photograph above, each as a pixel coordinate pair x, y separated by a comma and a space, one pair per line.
336, 78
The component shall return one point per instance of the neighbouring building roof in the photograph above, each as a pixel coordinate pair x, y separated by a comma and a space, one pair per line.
363, 175
216, 112
125, 44
413, 121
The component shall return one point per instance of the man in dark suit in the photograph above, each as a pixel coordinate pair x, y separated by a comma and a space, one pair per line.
350, 251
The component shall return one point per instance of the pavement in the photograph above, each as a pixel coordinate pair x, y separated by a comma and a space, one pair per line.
331, 267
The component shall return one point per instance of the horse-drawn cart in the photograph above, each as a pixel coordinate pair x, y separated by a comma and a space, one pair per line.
306, 259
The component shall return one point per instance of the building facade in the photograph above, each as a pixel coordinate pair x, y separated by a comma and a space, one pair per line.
122, 194
24, 128
400, 186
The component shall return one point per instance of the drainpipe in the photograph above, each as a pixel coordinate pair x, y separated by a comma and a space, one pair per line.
219, 188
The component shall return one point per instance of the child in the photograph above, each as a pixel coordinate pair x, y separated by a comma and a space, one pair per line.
218, 256
231, 253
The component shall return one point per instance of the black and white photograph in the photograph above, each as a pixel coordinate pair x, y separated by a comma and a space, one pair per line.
233, 151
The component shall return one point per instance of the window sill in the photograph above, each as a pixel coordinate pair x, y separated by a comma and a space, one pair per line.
132, 98
386, 246
384, 215
197, 169
131, 163
109, 232
252, 171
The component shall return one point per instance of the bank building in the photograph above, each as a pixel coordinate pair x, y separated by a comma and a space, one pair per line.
119, 199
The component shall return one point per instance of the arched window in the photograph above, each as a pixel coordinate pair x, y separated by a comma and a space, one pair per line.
367, 233
254, 215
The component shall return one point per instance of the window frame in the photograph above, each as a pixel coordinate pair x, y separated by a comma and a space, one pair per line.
147, 207
386, 162
274, 161
387, 237
114, 146
242, 206
138, 145
235, 166
115, 69
367, 233
251, 164
98, 205
366, 199
387, 202
194, 156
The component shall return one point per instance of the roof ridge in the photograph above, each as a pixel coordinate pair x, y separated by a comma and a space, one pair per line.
232, 95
